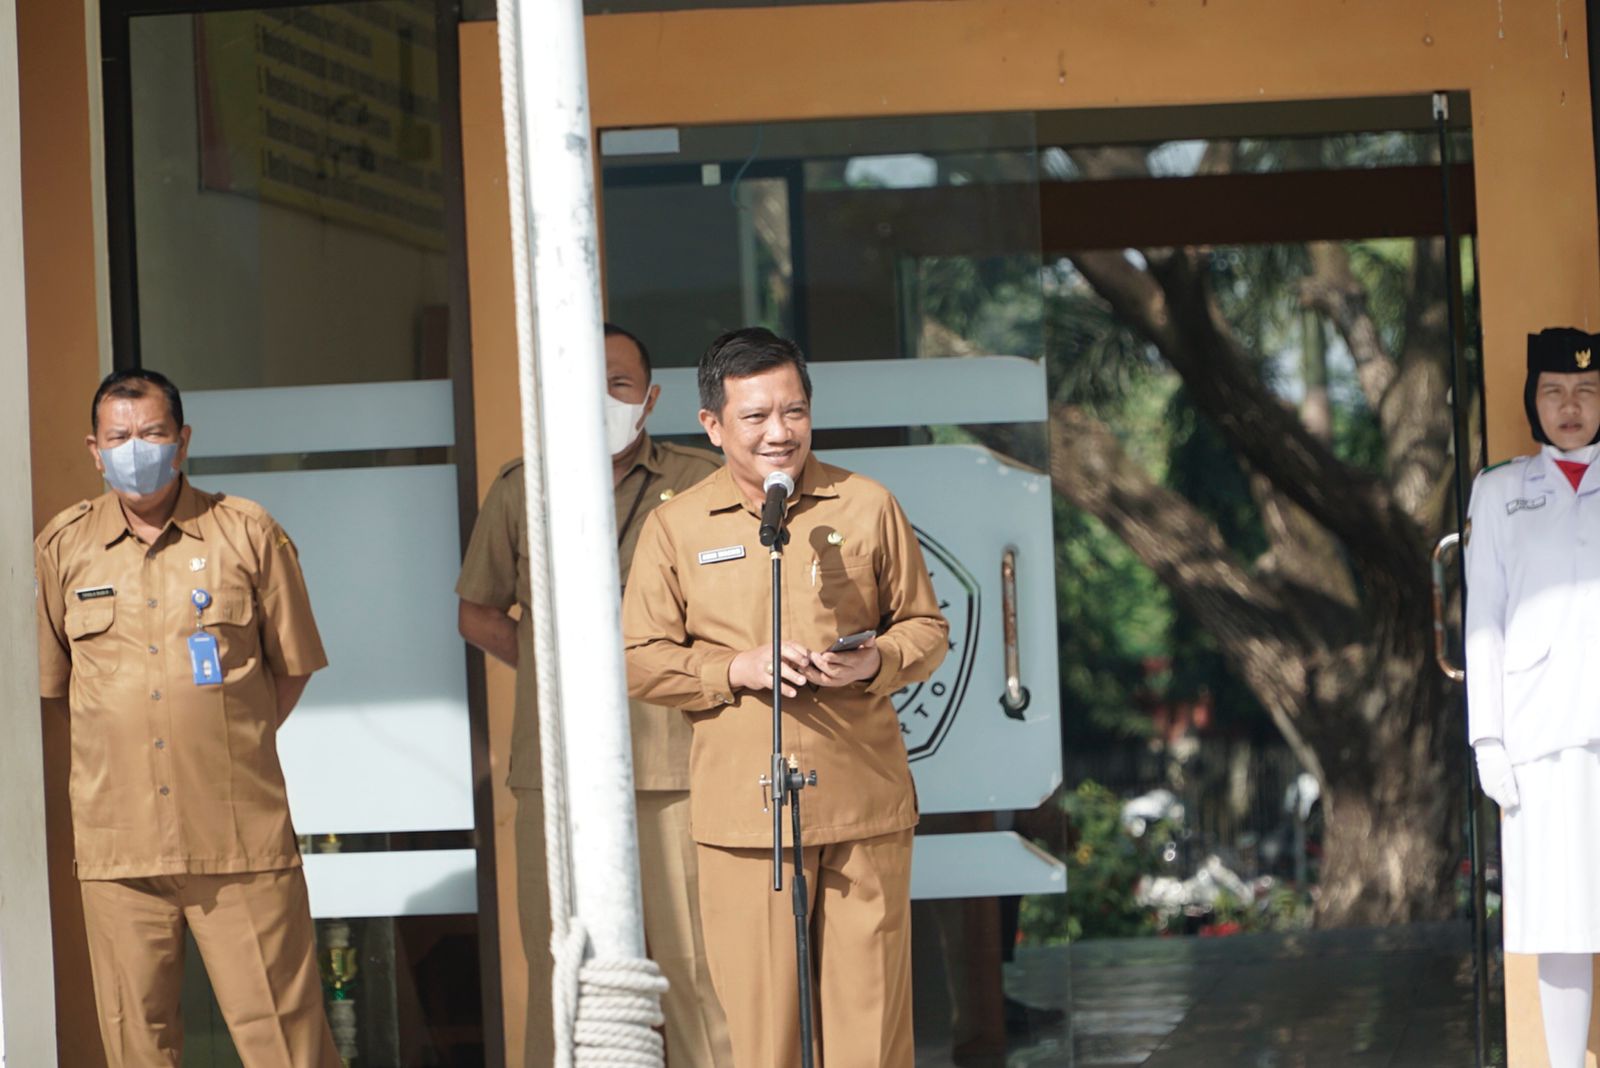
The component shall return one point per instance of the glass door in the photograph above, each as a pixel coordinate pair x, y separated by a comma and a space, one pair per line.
286, 247
1236, 325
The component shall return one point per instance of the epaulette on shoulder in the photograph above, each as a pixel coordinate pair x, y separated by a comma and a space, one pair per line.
1505, 463
671, 500
509, 467
689, 452
62, 520
242, 505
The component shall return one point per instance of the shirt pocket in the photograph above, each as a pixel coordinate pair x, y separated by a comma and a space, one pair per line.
847, 593
232, 620
1527, 643
88, 627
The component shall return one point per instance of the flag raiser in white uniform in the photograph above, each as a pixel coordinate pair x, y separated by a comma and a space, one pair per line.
1533, 606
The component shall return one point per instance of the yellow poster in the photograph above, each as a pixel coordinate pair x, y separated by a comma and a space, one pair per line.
330, 110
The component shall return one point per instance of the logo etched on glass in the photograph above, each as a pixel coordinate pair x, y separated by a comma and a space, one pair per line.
928, 709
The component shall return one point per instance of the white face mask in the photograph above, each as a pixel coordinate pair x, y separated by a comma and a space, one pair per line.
623, 424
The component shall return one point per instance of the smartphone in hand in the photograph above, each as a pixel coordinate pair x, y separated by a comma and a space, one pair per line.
851, 642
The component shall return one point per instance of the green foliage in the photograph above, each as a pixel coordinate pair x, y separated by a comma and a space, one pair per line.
1104, 868
1103, 871
1205, 471
1209, 475
1093, 358
1113, 613
1256, 288
1112, 618
992, 304
1283, 908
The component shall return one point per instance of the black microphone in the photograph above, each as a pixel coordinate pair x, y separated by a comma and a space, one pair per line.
778, 486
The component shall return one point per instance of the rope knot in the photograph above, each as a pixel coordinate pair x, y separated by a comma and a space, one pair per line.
610, 1008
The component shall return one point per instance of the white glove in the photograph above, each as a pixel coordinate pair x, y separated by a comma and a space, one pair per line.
1495, 773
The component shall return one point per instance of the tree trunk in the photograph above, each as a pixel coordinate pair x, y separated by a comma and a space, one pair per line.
1392, 819
1354, 693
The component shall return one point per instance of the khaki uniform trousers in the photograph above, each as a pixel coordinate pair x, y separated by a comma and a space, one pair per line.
696, 1030
255, 935
860, 894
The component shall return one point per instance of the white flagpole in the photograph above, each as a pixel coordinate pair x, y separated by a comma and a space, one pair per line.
606, 994
558, 171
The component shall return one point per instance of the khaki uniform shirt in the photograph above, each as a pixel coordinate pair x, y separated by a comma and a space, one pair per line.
171, 778
495, 573
701, 592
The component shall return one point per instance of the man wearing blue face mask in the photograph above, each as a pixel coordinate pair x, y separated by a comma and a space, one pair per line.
176, 624
494, 577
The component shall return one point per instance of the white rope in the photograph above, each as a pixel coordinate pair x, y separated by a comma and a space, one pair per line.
618, 1009
605, 1011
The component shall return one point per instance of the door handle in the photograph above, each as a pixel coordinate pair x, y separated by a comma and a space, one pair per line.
1440, 655
1014, 698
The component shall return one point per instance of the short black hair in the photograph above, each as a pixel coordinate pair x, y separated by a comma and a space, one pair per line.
136, 382
742, 353
613, 330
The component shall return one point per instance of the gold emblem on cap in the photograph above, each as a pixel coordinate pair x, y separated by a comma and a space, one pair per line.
1583, 359
835, 538
667, 494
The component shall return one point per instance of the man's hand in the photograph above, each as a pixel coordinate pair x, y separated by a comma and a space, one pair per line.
752, 669
289, 689
842, 669
490, 629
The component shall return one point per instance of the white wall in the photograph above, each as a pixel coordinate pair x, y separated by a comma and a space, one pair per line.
27, 968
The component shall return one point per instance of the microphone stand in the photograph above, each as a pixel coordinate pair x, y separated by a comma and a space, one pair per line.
783, 784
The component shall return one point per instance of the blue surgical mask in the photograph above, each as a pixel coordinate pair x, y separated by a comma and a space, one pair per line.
138, 467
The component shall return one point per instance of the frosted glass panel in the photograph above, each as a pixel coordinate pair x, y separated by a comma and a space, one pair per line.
424, 882
380, 741
873, 393
297, 419
968, 507
982, 865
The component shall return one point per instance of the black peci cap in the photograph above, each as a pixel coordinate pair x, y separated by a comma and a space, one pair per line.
1559, 350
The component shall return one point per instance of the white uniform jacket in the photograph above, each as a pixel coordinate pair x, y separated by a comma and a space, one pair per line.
1533, 607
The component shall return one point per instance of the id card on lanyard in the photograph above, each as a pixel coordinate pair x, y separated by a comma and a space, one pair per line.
203, 645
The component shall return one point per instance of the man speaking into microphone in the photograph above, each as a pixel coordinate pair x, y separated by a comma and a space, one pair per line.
697, 625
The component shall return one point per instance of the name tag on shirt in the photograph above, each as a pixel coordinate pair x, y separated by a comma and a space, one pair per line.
92, 593
203, 657
1526, 504
717, 556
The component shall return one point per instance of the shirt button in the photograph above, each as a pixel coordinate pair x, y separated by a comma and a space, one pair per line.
152, 650
155, 695
165, 791
151, 602
161, 743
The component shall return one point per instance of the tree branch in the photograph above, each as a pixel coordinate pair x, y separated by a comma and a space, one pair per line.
1305, 565
1171, 306
1254, 627
1417, 427
1333, 290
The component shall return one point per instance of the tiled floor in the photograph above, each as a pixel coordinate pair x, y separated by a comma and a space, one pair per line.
1399, 998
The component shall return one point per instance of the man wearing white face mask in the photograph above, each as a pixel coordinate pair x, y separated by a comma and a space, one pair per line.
494, 577
176, 624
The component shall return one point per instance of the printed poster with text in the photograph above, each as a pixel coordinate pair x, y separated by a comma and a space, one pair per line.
333, 111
